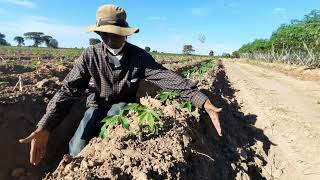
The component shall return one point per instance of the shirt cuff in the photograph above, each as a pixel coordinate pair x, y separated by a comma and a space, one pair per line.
199, 99
44, 123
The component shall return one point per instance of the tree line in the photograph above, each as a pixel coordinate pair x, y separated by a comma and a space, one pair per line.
38, 39
297, 43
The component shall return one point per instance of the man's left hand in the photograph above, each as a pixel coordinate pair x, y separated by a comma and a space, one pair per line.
213, 113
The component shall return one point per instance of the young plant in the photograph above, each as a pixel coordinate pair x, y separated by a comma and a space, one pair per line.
167, 95
114, 120
3, 83
186, 74
188, 105
35, 64
151, 118
7, 62
148, 118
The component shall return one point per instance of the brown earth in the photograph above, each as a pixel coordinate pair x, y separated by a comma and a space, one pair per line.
240, 154
189, 147
288, 111
21, 109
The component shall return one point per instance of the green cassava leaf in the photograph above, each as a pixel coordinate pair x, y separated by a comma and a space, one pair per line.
151, 122
125, 123
132, 107
142, 118
165, 95
187, 104
104, 131
108, 118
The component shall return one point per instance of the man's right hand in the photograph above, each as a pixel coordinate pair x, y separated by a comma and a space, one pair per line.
39, 140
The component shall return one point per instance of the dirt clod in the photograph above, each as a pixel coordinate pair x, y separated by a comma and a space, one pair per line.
18, 172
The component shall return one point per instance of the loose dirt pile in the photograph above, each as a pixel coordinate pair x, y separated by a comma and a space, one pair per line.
168, 156
188, 148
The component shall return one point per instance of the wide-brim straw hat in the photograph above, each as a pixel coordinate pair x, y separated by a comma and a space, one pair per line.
112, 19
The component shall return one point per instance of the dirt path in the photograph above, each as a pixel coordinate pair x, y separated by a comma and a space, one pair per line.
288, 110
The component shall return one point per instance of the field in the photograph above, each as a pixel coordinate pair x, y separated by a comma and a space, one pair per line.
241, 101
28, 85
253, 145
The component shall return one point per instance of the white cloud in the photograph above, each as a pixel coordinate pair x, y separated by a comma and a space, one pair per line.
201, 12
23, 3
282, 12
67, 35
157, 18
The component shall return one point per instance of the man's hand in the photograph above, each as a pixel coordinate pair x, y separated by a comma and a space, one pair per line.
213, 113
39, 140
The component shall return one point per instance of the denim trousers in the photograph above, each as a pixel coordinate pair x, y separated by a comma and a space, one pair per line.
90, 126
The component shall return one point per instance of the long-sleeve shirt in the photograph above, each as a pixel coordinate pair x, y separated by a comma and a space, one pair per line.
114, 84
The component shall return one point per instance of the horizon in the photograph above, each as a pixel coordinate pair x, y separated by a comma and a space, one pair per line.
164, 28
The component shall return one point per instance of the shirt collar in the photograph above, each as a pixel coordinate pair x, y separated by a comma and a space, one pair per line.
124, 53
114, 52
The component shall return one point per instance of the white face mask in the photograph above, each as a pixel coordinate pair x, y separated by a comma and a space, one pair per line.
115, 51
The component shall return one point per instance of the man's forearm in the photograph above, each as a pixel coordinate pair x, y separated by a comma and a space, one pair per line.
57, 109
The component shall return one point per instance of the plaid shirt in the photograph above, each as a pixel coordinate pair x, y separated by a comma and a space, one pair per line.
114, 84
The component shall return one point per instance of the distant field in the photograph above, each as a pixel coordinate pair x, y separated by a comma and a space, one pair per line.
41, 53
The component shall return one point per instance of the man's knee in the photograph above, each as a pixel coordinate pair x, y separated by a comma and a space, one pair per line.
82, 136
89, 113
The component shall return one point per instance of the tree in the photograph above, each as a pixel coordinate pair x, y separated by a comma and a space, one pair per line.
46, 39
3, 42
53, 43
93, 41
235, 54
226, 55
211, 53
148, 49
20, 40
2, 36
35, 36
187, 49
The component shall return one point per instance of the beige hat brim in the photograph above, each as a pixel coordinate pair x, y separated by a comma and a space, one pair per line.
122, 31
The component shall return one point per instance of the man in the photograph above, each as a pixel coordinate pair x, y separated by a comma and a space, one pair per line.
115, 66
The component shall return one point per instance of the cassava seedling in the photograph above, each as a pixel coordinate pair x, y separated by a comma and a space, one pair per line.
188, 105
114, 120
3, 83
148, 120
167, 95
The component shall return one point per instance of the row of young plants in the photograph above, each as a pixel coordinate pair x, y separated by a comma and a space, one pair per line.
149, 119
8, 52
21, 53
198, 72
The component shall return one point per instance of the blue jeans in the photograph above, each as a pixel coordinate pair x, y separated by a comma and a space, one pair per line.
88, 128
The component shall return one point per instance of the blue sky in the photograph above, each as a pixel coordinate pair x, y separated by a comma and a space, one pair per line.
164, 25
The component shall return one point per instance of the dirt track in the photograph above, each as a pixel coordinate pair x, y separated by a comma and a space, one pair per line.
288, 111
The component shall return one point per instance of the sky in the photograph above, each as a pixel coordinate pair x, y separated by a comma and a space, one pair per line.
165, 26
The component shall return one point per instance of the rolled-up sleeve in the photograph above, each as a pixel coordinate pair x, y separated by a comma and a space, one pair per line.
73, 87
168, 80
